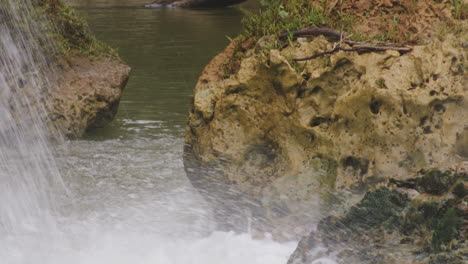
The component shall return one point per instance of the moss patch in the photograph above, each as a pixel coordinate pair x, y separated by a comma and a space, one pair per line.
375, 208
447, 229
435, 182
460, 191
421, 218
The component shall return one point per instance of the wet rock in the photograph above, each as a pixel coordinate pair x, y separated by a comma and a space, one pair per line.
376, 207
88, 94
460, 190
435, 182
388, 226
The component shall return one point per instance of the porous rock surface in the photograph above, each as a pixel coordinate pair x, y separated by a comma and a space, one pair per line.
88, 94
285, 135
421, 220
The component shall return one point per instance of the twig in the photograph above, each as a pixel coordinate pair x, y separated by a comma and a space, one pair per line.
366, 47
340, 38
333, 35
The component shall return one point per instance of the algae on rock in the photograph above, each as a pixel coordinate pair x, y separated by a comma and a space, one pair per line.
395, 223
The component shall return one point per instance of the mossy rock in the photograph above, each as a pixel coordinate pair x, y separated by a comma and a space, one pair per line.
435, 182
460, 191
375, 208
447, 229
422, 217
446, 259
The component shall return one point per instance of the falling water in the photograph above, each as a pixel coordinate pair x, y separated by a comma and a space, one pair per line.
29, 179
126, 200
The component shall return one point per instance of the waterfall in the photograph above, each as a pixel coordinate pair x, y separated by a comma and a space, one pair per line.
29, 178
129, 200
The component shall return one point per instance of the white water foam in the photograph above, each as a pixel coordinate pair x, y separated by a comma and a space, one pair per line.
140, 248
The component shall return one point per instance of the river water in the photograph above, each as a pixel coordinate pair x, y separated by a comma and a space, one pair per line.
127, 197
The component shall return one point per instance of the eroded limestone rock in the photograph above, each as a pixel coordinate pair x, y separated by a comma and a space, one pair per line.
88, 94
285, 135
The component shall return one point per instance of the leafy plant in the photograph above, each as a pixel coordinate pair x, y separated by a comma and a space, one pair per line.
460, 10
281, 16
70, 32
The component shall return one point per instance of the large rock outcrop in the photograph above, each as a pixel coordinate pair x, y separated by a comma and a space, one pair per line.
88, 94
88, 75
286, 133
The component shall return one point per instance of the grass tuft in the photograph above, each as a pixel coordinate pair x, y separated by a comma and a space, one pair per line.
71, 33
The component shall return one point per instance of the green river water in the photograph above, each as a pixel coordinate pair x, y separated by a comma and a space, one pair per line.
167, 50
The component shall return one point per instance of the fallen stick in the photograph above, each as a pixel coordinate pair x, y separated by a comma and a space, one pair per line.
334, 35
341, 37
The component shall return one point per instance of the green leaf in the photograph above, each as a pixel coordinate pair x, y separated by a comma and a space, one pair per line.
264, 3
283, 14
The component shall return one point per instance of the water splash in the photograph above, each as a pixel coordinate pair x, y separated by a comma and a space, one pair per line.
130, 204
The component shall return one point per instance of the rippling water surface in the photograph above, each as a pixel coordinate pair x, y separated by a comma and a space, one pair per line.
128, 199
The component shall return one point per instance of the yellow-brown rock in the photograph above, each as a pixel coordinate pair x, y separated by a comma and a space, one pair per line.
285, 134
88, 94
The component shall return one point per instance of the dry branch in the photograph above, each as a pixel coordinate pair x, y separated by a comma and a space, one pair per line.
340, 38
313, 32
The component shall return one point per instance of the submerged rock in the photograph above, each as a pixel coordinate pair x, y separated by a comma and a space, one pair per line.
391, 226
193, 3
287, 133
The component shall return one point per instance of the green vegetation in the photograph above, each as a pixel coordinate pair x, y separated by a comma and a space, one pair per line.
375, 208
432, 224
279, 16
460, 191
439, 222
444, 259
380, 83
447, 229
460, 10
436, 181
71, 33
402, 21
365, 20
422, 218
